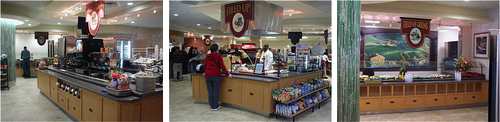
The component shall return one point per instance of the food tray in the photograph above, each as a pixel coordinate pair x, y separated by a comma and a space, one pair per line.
119, 93
373, 82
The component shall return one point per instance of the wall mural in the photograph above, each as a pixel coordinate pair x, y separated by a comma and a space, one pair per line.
387, 49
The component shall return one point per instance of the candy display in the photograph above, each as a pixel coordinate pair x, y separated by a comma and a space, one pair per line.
298, 90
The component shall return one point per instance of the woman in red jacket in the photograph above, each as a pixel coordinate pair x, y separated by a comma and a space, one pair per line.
213, 76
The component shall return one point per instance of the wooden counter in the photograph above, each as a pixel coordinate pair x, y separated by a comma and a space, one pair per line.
94, 105
33, 67
421, 94
253, 95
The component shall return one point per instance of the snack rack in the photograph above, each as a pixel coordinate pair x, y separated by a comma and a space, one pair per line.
5, 74
311, 106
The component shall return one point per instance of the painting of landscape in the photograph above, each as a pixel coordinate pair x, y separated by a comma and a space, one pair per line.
392, 50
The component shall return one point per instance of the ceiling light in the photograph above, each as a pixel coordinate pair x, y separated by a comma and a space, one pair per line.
58, 23
371, 21
138, 15
15, 21
290, 15
198, 25
289, 29
130, 3
316, 32
270, 37
132, 22
466, 0
313, 29
26, 20
116, 20
209, 27
108, 22
29, 24
60, 17
66, 14
371, 26
155, 12
301, 29
305, 37
174, 14
125, 18
80, 7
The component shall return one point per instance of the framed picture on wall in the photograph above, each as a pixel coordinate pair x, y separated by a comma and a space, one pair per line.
481, 45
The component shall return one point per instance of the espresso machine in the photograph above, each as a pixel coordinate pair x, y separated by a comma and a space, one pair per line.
66, 44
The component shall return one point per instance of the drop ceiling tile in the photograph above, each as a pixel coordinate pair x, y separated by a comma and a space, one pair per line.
472, 4
490, 4
449, 3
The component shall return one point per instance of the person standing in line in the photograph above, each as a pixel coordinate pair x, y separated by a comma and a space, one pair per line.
25, 55
185, 61
197, 51
191, 54
268, 57
178, 58
213, 76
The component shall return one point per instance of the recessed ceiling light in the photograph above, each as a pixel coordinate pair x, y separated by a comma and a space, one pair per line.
138, 15
132, 22
290, 15
466, 0
209, 27
60, 17
198, 25
26, 20
270, 37
108, 22
301, 29
29, 24
313, 29
154, 11
289, 29
58, 23
66, 14
125, 18
174, 14
116, 20
130, 3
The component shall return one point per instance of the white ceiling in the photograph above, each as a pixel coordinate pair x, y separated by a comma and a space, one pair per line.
473, 4
35, 8
189, 17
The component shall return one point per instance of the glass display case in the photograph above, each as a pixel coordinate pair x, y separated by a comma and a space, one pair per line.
438, 71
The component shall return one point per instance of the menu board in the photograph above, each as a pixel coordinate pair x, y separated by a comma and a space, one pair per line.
302, 50
249, 46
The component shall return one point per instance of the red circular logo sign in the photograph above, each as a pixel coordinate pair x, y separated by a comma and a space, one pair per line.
94, 23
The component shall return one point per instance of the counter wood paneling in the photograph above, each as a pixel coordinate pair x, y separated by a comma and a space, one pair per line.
95, 105
250, 91
401, 95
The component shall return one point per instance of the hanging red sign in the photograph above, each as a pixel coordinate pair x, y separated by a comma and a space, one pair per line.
93, 14
237, 15
415, 30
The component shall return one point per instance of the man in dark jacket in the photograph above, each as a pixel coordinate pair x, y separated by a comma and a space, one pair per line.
177, 58
25, 55
185, 61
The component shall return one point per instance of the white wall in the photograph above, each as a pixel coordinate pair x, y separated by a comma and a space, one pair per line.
445, 34
469, 43
31, 43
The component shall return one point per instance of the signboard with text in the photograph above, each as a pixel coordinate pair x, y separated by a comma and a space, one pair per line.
415, 30
93, 14
237, 15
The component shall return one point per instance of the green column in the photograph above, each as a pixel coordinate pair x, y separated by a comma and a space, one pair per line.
348, 46
8, 42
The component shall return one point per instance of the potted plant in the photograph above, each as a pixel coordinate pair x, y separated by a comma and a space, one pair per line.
461, 65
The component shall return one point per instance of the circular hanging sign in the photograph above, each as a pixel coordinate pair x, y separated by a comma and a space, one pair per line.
41, 40
415, 38
94, 23
207, 41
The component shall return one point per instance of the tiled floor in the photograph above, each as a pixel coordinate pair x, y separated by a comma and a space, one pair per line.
24, 102
461, 114
183, 108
